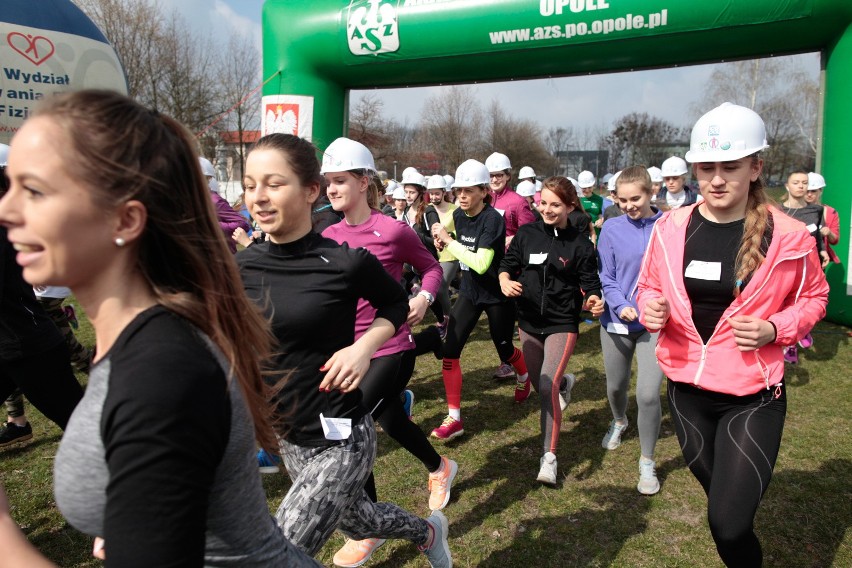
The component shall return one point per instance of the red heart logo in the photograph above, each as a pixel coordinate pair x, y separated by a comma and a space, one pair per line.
37, 49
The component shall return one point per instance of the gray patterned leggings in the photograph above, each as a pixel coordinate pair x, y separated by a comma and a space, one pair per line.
328, 493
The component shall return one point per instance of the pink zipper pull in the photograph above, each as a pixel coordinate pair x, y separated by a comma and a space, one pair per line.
778, 390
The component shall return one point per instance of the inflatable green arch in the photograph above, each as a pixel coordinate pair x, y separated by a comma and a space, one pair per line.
314, 52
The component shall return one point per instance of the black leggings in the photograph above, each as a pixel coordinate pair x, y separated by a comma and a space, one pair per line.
463, 318
386, 378
46, 379
730, 444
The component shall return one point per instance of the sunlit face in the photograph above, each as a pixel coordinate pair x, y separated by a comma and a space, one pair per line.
436, 196
655, 187
275, 197
498, 181
633, 200
412, 194
400, 204
346, 190
674, 184
553, 210
62, 237
587, 191
725, 185
797, 185
471, 198
813, 195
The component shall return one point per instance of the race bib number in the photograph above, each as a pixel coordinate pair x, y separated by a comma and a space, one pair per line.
617, 328
463, 266
502, 212
812, 228
336, 428
538, 258
700, 270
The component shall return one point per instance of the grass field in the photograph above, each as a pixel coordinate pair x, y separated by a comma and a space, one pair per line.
500, 517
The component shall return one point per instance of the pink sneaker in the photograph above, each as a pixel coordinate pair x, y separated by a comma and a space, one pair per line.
522, 391
449, 429
806, 341
791, 355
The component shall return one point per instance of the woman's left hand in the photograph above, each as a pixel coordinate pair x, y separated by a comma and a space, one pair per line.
751, 333
595, 305
417, 309
345, 369
440, 234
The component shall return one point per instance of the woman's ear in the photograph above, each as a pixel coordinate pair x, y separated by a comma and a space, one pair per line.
131, 218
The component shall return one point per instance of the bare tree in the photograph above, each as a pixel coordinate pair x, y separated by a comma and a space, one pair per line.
452, 125
639, 138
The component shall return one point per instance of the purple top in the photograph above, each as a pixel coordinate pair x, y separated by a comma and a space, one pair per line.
394, 243
514, 209
229, 220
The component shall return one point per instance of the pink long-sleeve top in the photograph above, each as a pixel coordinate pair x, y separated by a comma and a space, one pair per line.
394, 243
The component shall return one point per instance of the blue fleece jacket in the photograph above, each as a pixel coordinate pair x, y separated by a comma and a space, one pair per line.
621, 246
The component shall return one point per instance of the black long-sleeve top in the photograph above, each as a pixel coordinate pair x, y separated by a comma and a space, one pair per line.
556, 268
309, 290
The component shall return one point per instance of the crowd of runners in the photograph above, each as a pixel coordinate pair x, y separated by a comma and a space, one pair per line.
210, 366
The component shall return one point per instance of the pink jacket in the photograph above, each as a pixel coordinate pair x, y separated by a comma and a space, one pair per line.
514, 209
832, 221
789, 290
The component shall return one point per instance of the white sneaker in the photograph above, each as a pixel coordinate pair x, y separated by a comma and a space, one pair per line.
612, 438
504, 371
547, 469
565, 394
648, 482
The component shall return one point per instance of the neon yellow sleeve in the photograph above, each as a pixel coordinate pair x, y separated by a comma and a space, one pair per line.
478, 261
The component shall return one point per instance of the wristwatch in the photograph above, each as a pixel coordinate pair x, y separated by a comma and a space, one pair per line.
429, 297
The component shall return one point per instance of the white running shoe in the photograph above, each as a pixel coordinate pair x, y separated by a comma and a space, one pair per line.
648, 482
612, 438
565, 393
547, 469
504, 371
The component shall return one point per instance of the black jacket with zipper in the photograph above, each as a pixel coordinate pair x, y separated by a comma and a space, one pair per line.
557, 268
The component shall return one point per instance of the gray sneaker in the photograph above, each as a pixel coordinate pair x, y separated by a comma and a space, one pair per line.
565, 393
612, 438
547, 469
438, 550
648, 482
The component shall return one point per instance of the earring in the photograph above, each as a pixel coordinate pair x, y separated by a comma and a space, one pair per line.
119, 242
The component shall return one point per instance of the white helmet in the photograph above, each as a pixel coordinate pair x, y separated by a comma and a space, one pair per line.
448, 179
471, 173
726, 133
610, 184
391, 186
675, 166
344, 155
526, 173
436, 182
412, 177
576, 185
815, 181
656, 174
399, 193
4, 155
207, 168
497, 162
586, 179
525, 189
607, 176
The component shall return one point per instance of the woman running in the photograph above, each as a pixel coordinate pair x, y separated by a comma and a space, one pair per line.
349, 171
729, 282
621, 248
158, 459
309, 287
830, 229
478, 245
552, 271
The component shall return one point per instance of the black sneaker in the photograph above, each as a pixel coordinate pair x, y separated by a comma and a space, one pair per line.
11, 433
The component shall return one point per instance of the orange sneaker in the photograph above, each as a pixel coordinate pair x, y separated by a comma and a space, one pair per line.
356, 552
440, 483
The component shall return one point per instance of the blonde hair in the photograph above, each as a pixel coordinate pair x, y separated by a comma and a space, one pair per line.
751, 256
635, 174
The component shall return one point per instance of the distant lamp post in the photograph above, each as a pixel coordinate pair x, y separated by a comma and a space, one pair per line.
394, 169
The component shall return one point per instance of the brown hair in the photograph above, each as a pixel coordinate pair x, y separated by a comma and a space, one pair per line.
300, 154
635, 174
751, 256
122, 151
421, 207
564, 190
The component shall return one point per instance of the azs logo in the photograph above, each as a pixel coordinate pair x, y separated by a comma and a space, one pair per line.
372, 27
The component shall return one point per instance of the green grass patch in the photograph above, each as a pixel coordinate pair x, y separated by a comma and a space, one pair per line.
501, 517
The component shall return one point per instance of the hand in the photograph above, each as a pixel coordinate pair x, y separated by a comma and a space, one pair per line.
416, 309
439, 233
599, 223
628, 314
751, 333
824, 259
241, 237
657, 313
439, 246
595, 305
824, 231
511, 288
99, 548
345, 369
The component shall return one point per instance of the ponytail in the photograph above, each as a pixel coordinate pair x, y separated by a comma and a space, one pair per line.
751, 254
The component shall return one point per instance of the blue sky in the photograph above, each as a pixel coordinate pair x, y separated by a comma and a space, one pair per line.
587, 102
